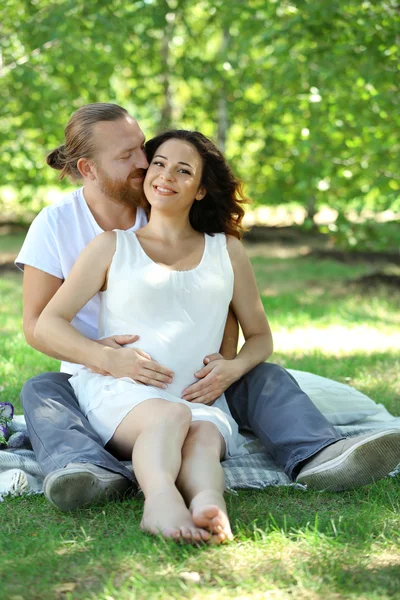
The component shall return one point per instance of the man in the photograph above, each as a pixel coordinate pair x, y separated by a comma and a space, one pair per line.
104, 149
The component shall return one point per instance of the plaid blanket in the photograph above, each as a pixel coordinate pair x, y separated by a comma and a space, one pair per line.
351, 412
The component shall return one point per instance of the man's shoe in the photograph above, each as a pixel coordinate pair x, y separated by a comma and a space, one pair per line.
353, 462
80, 484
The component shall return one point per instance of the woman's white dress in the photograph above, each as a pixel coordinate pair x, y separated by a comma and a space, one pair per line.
180, 318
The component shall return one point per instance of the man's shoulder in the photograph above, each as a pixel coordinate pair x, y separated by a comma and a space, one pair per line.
68, 203
51, 232
63, 212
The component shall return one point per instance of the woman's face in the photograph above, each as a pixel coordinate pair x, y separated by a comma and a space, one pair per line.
173, 178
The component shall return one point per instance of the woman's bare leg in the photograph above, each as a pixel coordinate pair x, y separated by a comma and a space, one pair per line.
201, 479
154, 432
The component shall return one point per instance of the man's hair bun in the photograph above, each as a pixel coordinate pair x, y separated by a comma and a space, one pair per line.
56, 159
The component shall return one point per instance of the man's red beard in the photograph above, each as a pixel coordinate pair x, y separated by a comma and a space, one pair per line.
122, 192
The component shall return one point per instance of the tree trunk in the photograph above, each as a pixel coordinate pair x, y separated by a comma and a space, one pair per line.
166, 110
222, 109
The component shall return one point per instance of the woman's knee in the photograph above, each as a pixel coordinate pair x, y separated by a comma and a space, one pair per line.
157, 412
177, 413
150, 417
204, 434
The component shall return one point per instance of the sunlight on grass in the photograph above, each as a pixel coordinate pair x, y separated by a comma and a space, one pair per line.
289, 544
341, 340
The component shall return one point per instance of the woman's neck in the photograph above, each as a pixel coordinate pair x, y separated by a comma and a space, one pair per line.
169, 227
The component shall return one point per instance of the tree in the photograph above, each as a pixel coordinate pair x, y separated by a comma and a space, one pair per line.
303, 95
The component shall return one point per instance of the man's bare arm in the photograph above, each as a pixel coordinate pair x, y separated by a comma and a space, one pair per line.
231, 337
38, 289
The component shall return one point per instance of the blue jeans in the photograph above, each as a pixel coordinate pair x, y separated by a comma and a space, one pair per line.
270, 402
267, 400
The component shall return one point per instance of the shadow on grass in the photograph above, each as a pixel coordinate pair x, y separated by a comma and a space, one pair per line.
380, 580
283, 537
316, 306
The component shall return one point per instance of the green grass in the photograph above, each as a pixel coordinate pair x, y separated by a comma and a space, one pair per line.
288, 543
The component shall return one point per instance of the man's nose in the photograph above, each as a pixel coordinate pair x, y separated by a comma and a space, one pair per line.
141, 160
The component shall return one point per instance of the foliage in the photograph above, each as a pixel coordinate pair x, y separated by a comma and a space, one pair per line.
367, 236
304, 95
5, 422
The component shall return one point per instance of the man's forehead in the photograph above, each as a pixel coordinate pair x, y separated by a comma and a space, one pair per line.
118, 134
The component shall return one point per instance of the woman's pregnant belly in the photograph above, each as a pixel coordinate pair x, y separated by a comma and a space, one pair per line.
180, 345
183, 360
183, 354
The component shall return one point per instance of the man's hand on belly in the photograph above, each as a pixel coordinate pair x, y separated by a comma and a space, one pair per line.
215, 378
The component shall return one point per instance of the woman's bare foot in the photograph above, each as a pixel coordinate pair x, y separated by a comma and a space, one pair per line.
165, 513
209, 512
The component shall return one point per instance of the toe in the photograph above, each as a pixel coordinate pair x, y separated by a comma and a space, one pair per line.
210, 512
196, 535
203, 517
200, 520
148, 529
216, 526
186, 534
171, 533
215, 539
205, 535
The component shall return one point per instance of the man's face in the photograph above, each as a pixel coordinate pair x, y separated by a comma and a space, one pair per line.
120, 162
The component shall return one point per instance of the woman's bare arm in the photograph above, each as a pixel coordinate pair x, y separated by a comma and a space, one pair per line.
39, 288
248, 308
54, 329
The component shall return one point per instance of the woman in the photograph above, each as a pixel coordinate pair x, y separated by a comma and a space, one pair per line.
172, 281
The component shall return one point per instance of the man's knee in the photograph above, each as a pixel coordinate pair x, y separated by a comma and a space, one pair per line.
270, 376
42, 385
29, 390
268, 371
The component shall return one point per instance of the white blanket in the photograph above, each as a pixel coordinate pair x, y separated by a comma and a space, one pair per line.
351, 412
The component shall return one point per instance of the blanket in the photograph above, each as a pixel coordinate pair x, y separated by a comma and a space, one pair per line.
351, 412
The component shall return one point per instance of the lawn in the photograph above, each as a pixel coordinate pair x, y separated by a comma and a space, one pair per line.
288, 543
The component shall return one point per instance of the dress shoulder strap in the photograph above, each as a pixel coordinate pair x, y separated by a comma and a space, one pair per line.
219, 254
126, 254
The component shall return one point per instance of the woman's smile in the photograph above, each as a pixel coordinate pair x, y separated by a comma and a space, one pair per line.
163, 190
174, 172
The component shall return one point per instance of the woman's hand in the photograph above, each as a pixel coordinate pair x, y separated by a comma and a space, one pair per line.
136, 364
215, 378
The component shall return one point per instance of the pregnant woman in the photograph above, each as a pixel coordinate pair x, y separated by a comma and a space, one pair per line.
172, 282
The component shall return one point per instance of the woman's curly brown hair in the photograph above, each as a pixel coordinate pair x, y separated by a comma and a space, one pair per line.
221, 210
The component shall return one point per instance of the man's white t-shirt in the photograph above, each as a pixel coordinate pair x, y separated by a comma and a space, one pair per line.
54, 241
